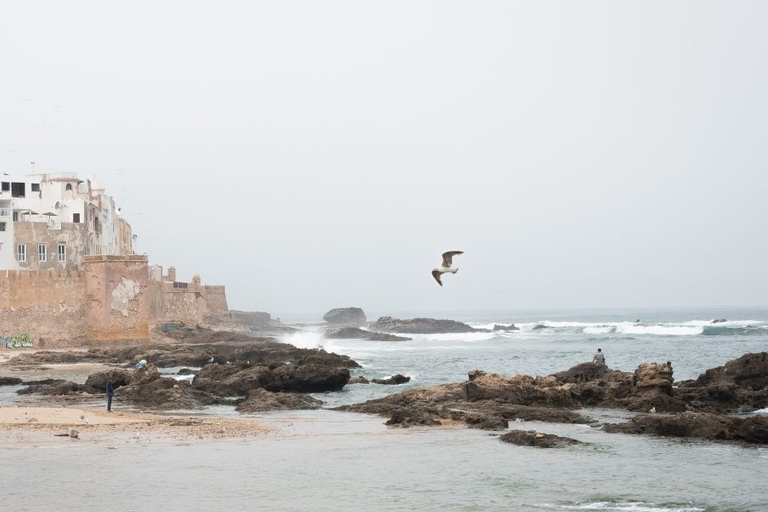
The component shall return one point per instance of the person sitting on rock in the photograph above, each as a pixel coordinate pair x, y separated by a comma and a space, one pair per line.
599, 357
141, 364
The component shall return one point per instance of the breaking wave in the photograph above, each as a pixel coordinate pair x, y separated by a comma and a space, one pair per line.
630, 506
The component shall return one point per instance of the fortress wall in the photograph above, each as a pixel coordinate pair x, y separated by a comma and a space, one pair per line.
217, 300
118, 298
45, 307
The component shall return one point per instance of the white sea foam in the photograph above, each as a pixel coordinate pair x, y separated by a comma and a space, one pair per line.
304, 339
465, 336
630, 506
661, 330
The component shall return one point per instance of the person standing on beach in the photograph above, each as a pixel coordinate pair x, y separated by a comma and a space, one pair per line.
110, 394
599, 357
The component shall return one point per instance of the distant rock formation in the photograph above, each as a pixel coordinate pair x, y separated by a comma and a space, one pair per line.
719, 321
421, 326
501, 327
345, 316
393, 380
348, 333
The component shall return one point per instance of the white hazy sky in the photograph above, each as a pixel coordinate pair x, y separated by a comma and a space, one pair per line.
311, 155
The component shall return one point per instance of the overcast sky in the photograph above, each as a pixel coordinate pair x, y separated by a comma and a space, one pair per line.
319, 154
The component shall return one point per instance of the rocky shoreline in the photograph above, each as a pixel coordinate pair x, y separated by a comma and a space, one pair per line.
261, 374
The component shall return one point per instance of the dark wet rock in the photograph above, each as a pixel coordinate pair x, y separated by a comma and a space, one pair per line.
239, 379
196, 348
698, 425
393, 380
539, 327
358, 380
187, 371
537, 439
415, 417
308, 378
260, 400
232, 379
10, 381
421, 326
741, 385
149, 390
501, 327
487, 401
119, 378
719, 321
349, 333
349, 316
53, 387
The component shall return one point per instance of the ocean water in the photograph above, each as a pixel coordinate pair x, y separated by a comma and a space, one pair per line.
331, 460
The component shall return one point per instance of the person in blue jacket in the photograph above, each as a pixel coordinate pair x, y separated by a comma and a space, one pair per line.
110, 394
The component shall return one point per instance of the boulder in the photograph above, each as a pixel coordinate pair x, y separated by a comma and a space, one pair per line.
260, 400
358, 380
308, 378
699, 425
421, 326
232, 379
741, 385
501, 327
350, 316
393, 380
10, 381
539, 440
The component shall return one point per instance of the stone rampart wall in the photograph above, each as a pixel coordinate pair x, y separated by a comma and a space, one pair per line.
47, 307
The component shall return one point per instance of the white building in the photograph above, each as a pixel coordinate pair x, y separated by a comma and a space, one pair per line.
51, 221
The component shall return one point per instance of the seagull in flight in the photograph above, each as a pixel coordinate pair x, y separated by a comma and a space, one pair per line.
446, 266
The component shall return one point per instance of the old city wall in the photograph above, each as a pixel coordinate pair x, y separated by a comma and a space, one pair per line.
118, 299
216, 298
44, 308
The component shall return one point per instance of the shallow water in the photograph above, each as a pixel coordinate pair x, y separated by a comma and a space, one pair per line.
330, 460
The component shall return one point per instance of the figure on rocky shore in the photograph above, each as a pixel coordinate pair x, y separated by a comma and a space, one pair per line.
141, 364
599, 357
110, 394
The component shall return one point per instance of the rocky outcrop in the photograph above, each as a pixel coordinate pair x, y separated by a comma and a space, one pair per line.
537, 439
358, 380
486, 401
741, 385
421, 326
347, 316
393, 380
699, 425
240, 379
10, 381
261, 400
354, 333
501, 327
200, 346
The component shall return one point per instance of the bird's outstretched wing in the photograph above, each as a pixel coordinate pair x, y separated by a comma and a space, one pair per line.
436, 275
448, 257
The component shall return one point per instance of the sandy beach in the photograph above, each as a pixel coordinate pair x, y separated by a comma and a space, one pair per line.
54, 424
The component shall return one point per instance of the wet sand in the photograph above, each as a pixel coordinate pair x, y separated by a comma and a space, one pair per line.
53, 424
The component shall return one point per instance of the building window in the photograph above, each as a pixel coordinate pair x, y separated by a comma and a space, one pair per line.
6, 186
42, 253
62, 252
35, 187
76, 218
2, 226
18, 190
21, 253
68, 188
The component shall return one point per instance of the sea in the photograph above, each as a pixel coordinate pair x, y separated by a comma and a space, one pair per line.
332, 460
